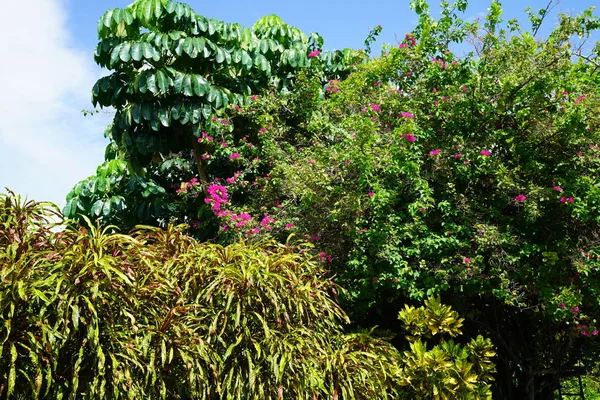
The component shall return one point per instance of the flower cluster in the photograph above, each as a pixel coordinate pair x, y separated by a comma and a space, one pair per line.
333, 86
217, 196
314, 53
410, 40
205, 136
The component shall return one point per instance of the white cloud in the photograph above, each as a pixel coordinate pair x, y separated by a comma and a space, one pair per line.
46, 144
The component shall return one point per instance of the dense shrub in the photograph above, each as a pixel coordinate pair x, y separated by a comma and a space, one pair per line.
92, 314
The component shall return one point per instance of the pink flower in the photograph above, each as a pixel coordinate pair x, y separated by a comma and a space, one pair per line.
266, 222
347, 162
314, 53
377, 84
520, 198
457, 156
403, 45
595, 332
289, 226
262, 130
571, 200
558, 188
434, 152
464, 88
230, 180
371, 194
235, 155
224, 144
574, 310
253, 97
562, 305
485, 153
255, 230
375, 107
467, 260
375, 279
406, 115
410, 137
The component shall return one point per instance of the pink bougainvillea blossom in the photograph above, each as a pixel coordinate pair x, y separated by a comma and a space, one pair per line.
289, 226
410, 137
467, 260
406, 115
235, 155
520, 198
457, 156
374, 107
371, 194
485, 153
435, 152
314, 53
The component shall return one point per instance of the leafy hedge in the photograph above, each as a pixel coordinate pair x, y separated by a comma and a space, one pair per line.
86, 313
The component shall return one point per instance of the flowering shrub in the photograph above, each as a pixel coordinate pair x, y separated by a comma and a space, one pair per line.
474, 181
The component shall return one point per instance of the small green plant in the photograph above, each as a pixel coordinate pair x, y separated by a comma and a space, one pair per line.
447, 369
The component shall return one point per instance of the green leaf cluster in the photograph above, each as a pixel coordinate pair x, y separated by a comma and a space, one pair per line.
446, 370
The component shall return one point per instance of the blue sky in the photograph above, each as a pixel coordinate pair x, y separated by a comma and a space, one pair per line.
47, 145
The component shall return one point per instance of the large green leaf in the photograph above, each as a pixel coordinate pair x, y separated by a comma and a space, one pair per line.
162, 81
136, 51
188, 90
200, 85
151, 82
124, 53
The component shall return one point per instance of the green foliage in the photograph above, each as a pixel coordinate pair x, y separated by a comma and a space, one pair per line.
92, 314
427, 174
421, 174
175, 73
446, 370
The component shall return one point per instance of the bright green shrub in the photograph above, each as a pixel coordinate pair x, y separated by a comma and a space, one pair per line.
446, 370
